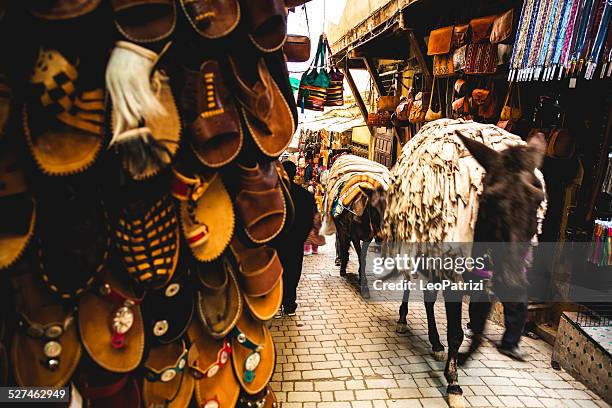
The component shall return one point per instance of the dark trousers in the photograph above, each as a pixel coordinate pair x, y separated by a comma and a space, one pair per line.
292, 272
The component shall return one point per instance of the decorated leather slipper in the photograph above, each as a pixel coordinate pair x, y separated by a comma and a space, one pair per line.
18, 208
263, 399
111, 325
219, 301
253, 354
147, 236
206, 212
216, 133
169, 310
212, 18
266, 112
62, 10
210, 364
167, 381
268, 24
260, 275
144, 21
260, 202
45, 350
63, 124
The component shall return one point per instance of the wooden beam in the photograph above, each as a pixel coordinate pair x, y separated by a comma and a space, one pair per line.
371, 67
418, 51
356, 94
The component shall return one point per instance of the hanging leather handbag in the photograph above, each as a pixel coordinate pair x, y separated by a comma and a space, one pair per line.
509, 110
459, 58
443, 65
419, 108
480, 59
431, 115
297, 48
387, 103
481, 29
486, 101
507, 125
335, 90
379, 119
461, 35
314, 83
403, 109
504, 53
440, 41
503, 27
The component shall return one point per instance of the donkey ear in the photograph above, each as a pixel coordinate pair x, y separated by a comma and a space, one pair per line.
366, 190
537, 147
486, 156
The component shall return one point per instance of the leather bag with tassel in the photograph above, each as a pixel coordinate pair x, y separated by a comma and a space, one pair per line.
314, 83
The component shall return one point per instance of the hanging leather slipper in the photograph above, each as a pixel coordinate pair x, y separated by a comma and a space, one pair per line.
253, 354
216, 133
169, 310
63, 125
45, 350
268, 24
263, 399
212, 18
219, 301
260, 275
167, 381
147, 236
6, 99
18, 208
266, 112
144, 21
260, 202
206, 212
210, 364
111, 325
63, 9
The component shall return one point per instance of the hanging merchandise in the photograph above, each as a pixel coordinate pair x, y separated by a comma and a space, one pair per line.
297, 47
606, 186
601, 244
480, 59
314, 82
512, 109
335, 91
432, 115
558, 38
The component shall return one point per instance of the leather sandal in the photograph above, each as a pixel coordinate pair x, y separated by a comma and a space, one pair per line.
167, 380
62, 9
263, 399
111, 325
45, 350
144, 21
6, 100
70, 142
219, 302
210, 364
212, 18
260, 202
216, 133
266, 112
267, 21
260, 275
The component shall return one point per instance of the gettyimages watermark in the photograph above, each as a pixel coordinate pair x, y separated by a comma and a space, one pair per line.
546, 272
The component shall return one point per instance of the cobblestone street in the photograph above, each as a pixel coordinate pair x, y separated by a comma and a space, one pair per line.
342, 352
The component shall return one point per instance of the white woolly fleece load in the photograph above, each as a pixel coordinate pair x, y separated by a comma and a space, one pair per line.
128, 80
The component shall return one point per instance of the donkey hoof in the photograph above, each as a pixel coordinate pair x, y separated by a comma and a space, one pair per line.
401, 328
439, 355
342, 272
365, 292
456, 401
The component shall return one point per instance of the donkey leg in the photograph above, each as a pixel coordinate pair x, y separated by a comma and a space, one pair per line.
432, 327
357, 245
402, 322
455, 338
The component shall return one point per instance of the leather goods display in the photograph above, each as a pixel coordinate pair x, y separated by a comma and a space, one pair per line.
503, 27
297, 48
111, 325
379, 119
387, 103
100, 388
440, 41
432, 115
253, 354
443, 65
18, 208
144, 21
70, 141
486, 101
459, 58
212, 115
167, 380
461, 35
210, 364
267, 23
314, 82
481, 29
219, 301
504, 53
260, 276
419, 107
62, 10
512, 109
480, 59
212, 18
260, 202
264, 108
403, 109
335, 90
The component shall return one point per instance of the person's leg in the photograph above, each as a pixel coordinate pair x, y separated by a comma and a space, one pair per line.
515, 317
289, 301
315, 249
307, 249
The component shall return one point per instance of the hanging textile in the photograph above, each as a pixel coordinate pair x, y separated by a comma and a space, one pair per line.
601, 244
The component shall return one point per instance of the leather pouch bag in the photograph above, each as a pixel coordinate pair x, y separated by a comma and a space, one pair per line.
461, 35
432, 115
481, 29
297, 48
387, 103
419, 108
486, 101
443, 65
440, 41
512, 109
459, 58
502, 28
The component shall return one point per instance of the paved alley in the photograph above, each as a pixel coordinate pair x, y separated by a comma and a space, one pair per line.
342, 352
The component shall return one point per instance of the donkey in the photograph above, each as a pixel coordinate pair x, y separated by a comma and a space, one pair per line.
358, 224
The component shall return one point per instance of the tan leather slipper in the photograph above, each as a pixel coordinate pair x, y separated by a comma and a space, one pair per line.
145, 21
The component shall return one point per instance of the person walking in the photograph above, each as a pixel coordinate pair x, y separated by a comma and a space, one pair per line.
291, 248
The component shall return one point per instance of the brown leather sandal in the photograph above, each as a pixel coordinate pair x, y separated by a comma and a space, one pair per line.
260, 202
268, 24
144, 21
212, 18
62, 9
266, 112
215, 124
